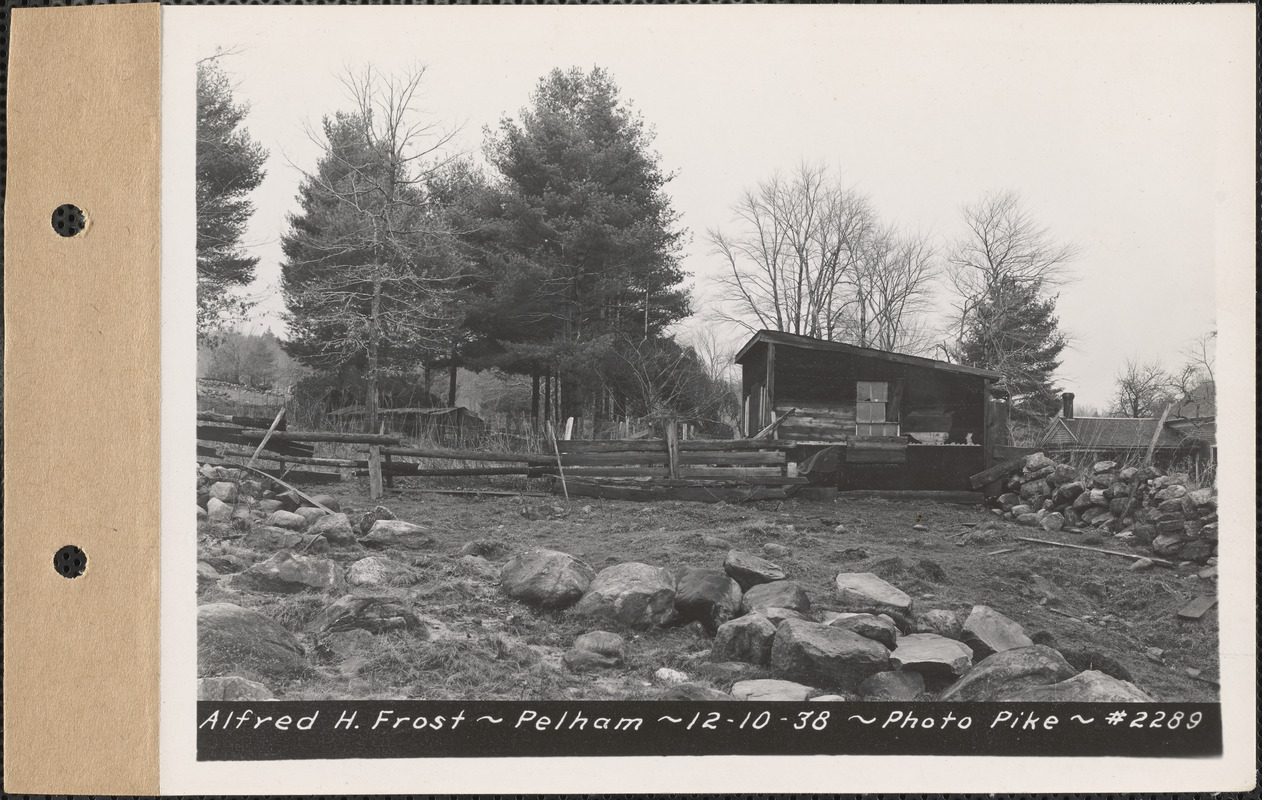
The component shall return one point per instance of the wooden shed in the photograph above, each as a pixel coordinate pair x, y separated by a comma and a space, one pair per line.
892, 421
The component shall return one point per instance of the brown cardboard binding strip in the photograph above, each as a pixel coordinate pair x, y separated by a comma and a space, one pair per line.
82, 402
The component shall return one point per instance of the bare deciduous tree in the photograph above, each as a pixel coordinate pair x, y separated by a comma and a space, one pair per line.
371, 264
811, 257
1141, 390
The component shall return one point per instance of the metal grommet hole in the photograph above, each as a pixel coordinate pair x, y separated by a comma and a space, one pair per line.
69, 220
70, 561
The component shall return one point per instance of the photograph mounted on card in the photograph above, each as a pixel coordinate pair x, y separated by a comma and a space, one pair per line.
577, 385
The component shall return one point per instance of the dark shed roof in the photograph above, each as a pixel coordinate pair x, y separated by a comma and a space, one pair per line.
811, 343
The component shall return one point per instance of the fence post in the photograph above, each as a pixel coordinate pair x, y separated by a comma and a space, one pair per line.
672, 448
389, 473
374, 470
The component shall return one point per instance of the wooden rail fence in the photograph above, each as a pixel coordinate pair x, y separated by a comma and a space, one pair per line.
668, 468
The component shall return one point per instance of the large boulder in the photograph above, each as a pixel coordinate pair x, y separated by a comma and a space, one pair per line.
373, 613
632, 594
1091, 686
335, 528
1067, 493
749, 570
869, 626
396, 533
893, 687
826, 656
1007, 673
770, 690
931, 654
1036, 462
1061, 475
236, 640
776, 614
1034, 490
777, 594
864, 591
286, 573
232, 689
546, 578
988, 632
746, 638
706, 595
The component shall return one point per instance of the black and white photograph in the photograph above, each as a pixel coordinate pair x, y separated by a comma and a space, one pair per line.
842, 357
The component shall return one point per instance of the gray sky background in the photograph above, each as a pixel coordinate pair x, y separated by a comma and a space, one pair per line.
1114, 123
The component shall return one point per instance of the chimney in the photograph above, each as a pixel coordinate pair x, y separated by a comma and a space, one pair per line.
1067, 405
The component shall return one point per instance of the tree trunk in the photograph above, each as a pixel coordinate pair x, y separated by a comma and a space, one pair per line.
534, 399
374, 341
547, 396
451, 379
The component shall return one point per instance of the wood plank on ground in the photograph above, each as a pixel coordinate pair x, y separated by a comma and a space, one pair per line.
707, 495
659, 445
1197, 608
328, 436
1000, 470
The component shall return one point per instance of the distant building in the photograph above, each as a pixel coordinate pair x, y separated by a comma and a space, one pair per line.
1122, 437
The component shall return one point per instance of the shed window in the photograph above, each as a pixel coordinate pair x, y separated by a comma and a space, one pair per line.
871, 398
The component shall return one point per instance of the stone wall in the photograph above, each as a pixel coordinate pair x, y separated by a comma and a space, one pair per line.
1142, 505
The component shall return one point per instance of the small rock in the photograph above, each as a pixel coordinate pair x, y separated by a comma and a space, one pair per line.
893, 687
670, 676
546, 578
372, 517
706, 595
864, 591
769, 690
717, 542
311, 514
396, 533
939, 621
201, 513
632, 594
868, 626
605, 643
232, 689
1101, 467
749, 570
919, 527
987, 632
217, 510
377, 571
930, 654
1052, 522
287, 520
748, 638
479, 567
829, 698
840, 529
778, 594
776, 615
335, 528
694, 692
825, 655
224, 491
206, 574
375, 614
587, 660
775, 550
286, 573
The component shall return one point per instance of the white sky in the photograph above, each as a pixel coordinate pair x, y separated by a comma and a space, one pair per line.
1119, 126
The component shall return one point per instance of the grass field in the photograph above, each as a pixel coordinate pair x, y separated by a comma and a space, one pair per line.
482, 645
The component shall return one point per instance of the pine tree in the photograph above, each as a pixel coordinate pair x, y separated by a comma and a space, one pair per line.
588, 244
1014, 330
229, 166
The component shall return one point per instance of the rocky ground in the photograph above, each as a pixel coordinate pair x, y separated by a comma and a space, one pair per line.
436, 597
